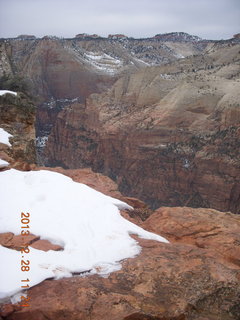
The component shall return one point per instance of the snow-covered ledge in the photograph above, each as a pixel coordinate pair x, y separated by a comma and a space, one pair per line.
85, 222
4, 137
3, 164
2, 92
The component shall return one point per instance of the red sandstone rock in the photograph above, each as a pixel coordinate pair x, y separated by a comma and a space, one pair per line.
167, 135
6, 310
237, 36
176, 281
168, 282
135, 203
9, 240
204, 228
45, 245
5, 238
19, 241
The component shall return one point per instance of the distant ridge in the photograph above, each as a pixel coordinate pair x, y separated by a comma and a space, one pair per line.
164, 37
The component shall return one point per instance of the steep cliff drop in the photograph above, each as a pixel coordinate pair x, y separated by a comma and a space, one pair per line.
17, 120
159, 115
61, 71
194, 277
168, 135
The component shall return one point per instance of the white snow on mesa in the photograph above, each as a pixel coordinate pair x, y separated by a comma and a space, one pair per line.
142, 62
2, 92
3, 163
85, 222
179, 56
103, 61
4, 137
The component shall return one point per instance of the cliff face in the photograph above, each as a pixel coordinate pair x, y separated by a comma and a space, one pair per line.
70, 68
17, 117
56, 71
168, 135
166, 128
60, 70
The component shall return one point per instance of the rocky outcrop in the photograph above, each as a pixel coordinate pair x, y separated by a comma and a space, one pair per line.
176, 37
204, 228
17, 242
175, 281
168, 135
237, 36
17, 117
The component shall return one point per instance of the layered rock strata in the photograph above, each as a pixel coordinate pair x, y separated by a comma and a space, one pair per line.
168, 135
17, 117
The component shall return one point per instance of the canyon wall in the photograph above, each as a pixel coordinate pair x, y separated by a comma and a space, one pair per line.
168, 135
59, 71
160, 115
17, 117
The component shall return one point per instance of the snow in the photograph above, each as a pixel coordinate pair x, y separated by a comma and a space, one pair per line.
103, 62
104, 56
141, 61
85, 222
3, 163
2, 92
186, 163
166, 76
4, 137
179, 56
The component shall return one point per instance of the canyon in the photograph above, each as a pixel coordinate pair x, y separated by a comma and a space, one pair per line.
167, 134
160, 116
194, 277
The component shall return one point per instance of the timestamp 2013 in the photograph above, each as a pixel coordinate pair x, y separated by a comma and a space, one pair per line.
25, 263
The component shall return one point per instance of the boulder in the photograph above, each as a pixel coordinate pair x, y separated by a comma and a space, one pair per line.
204, 228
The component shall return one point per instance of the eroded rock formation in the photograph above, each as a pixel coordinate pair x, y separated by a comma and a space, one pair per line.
168, 135
17, 117
168, 140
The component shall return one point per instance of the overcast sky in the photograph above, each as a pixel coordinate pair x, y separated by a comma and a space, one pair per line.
209, 19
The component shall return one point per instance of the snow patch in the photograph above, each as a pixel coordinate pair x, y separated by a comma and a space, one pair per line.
186, 164
2, 92
4, 137
85, 222
103, 62
179, 56
166, 76
142, 62
3, 164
